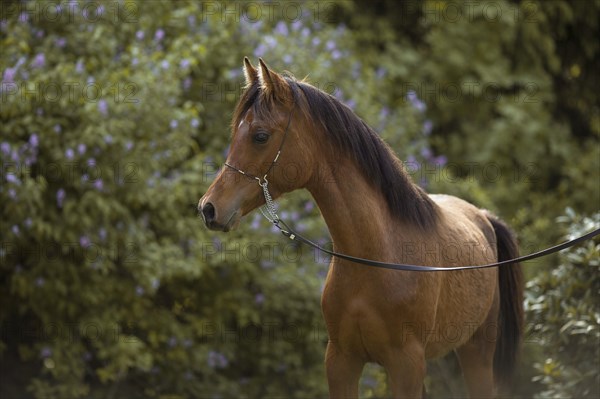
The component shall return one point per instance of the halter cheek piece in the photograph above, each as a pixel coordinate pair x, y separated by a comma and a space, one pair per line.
268, 210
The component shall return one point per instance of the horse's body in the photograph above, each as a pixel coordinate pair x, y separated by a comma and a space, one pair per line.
372, 209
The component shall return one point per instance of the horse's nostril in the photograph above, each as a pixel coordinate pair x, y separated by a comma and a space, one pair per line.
208, 212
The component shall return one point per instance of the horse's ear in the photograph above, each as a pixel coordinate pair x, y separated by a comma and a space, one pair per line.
271, 82
250, 72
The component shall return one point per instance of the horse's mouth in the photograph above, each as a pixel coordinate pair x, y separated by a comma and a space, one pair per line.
231, 224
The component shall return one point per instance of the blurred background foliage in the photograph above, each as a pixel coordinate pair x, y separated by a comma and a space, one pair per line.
115, 117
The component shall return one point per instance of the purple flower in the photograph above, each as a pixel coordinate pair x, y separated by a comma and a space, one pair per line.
174, 123
103, 107
79, 67
260, 50
57, 128
15, 230
60, 197
164, 64
81, 148
172, 342
316, 41
427, 127
11, 178
159, 35
414, 100
34, 140
28, 222
187, 83
69, 153
60, 42
259, 298
9, 75
40, 281
184, 63
5, 147
296, 24
23, 17
102, 233
98, 184
139, 290
12, 193
281, 28
255, 222
45, 352
39, 61
384, 113
309, 206
267, 264
91, 162
330, 45
270, 41
440, 160
336, 54
380, 73
195, 122
128, 146
108, 139
287, 59
217, 360
139, 34
426, 152
84, 241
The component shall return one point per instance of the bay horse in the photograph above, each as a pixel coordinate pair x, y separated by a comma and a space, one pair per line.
373, 210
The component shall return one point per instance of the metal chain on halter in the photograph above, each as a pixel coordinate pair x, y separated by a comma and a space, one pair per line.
269, 210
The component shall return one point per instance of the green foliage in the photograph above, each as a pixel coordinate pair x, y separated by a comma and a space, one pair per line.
114, 119
564, 318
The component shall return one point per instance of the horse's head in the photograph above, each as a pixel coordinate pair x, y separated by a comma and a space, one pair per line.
267, 120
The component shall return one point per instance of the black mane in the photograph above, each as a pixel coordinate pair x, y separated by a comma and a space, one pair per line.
350, 134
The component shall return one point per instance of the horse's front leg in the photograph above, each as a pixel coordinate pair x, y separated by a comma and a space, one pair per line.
343, 372
406, 369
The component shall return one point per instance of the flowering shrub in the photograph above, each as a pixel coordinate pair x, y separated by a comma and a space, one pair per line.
115, 118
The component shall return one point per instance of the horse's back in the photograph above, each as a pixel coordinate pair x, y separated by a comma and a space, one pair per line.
468, 225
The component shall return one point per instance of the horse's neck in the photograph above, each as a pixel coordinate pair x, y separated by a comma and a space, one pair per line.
355, 212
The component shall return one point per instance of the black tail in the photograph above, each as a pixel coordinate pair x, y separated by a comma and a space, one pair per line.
511, 318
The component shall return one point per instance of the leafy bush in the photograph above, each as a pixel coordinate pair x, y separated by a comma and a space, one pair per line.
564, 319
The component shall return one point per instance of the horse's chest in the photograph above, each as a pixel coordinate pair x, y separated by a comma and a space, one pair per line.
358, 318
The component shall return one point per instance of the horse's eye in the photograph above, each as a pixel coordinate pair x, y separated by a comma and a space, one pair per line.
260, 137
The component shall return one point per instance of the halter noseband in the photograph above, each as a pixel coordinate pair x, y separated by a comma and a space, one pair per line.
268, 210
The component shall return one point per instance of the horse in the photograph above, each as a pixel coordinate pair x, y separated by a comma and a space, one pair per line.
398, 319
